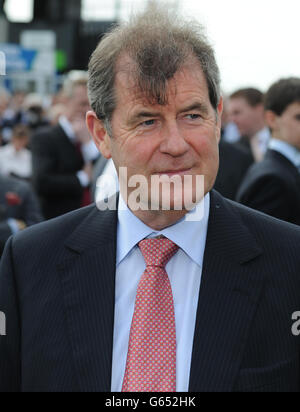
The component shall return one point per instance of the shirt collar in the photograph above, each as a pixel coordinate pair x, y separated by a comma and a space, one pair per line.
287, 150
190, 236
263, 134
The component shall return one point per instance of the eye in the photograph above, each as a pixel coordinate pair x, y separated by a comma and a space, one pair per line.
193, 116
148, 123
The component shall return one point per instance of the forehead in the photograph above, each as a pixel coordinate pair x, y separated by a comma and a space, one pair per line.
240, 103
190, 80
293, 108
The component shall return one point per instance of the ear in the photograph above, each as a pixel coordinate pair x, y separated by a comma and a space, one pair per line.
99, 134
271, 119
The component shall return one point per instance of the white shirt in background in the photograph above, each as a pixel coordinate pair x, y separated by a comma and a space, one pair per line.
259, 144
17, 163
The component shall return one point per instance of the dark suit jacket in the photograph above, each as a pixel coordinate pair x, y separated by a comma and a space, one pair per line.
28, 210
56, 162
234, 164
273, 187
57, 289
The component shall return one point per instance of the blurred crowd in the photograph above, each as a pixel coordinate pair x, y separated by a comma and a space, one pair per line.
50, 166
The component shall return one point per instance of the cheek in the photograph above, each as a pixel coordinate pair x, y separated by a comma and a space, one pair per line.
295, 133
137, 154
206, 147
288, 129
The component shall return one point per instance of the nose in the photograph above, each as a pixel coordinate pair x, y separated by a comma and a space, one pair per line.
174, 142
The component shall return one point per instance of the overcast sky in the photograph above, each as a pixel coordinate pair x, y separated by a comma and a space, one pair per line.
256, 41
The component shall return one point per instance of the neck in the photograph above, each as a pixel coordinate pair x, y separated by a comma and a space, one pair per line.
159, 220
258, 129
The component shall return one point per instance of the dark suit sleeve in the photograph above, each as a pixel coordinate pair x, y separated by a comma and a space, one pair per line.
47, 180
268, 196
10, 352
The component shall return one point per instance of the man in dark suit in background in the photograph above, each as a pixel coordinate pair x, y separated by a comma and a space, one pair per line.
273, 186
19, 208
150, 298
235, 161
63, 156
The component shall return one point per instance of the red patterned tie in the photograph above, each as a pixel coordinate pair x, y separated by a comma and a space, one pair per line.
151, 360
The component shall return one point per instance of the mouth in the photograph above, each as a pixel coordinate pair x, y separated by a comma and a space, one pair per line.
170, 173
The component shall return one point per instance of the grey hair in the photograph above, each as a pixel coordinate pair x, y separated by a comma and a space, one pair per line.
160, 44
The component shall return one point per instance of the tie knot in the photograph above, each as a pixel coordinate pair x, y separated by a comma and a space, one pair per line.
158, 252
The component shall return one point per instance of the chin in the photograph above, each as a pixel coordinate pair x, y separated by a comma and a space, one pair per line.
178, 201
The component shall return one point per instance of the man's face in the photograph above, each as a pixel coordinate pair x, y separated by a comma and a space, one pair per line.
287, 126
245, 116
180, 138
78, 104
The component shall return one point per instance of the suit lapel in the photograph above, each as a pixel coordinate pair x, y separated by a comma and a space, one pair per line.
88, 279
229, 294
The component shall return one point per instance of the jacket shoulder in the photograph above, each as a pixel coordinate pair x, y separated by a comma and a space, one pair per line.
265, 226
271, 174
274, 166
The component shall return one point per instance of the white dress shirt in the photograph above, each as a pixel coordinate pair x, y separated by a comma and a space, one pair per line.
287, 150
259, 144
184, 271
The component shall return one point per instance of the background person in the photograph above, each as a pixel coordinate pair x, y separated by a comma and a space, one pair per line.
246, 109
145, 300
273, 185
6, 117
15, 158
63, 156
19, 208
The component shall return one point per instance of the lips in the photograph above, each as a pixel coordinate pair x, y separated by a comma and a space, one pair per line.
181, 172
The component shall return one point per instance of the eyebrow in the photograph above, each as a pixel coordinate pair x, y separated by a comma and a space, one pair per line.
201, 107
149, 115
142, 115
